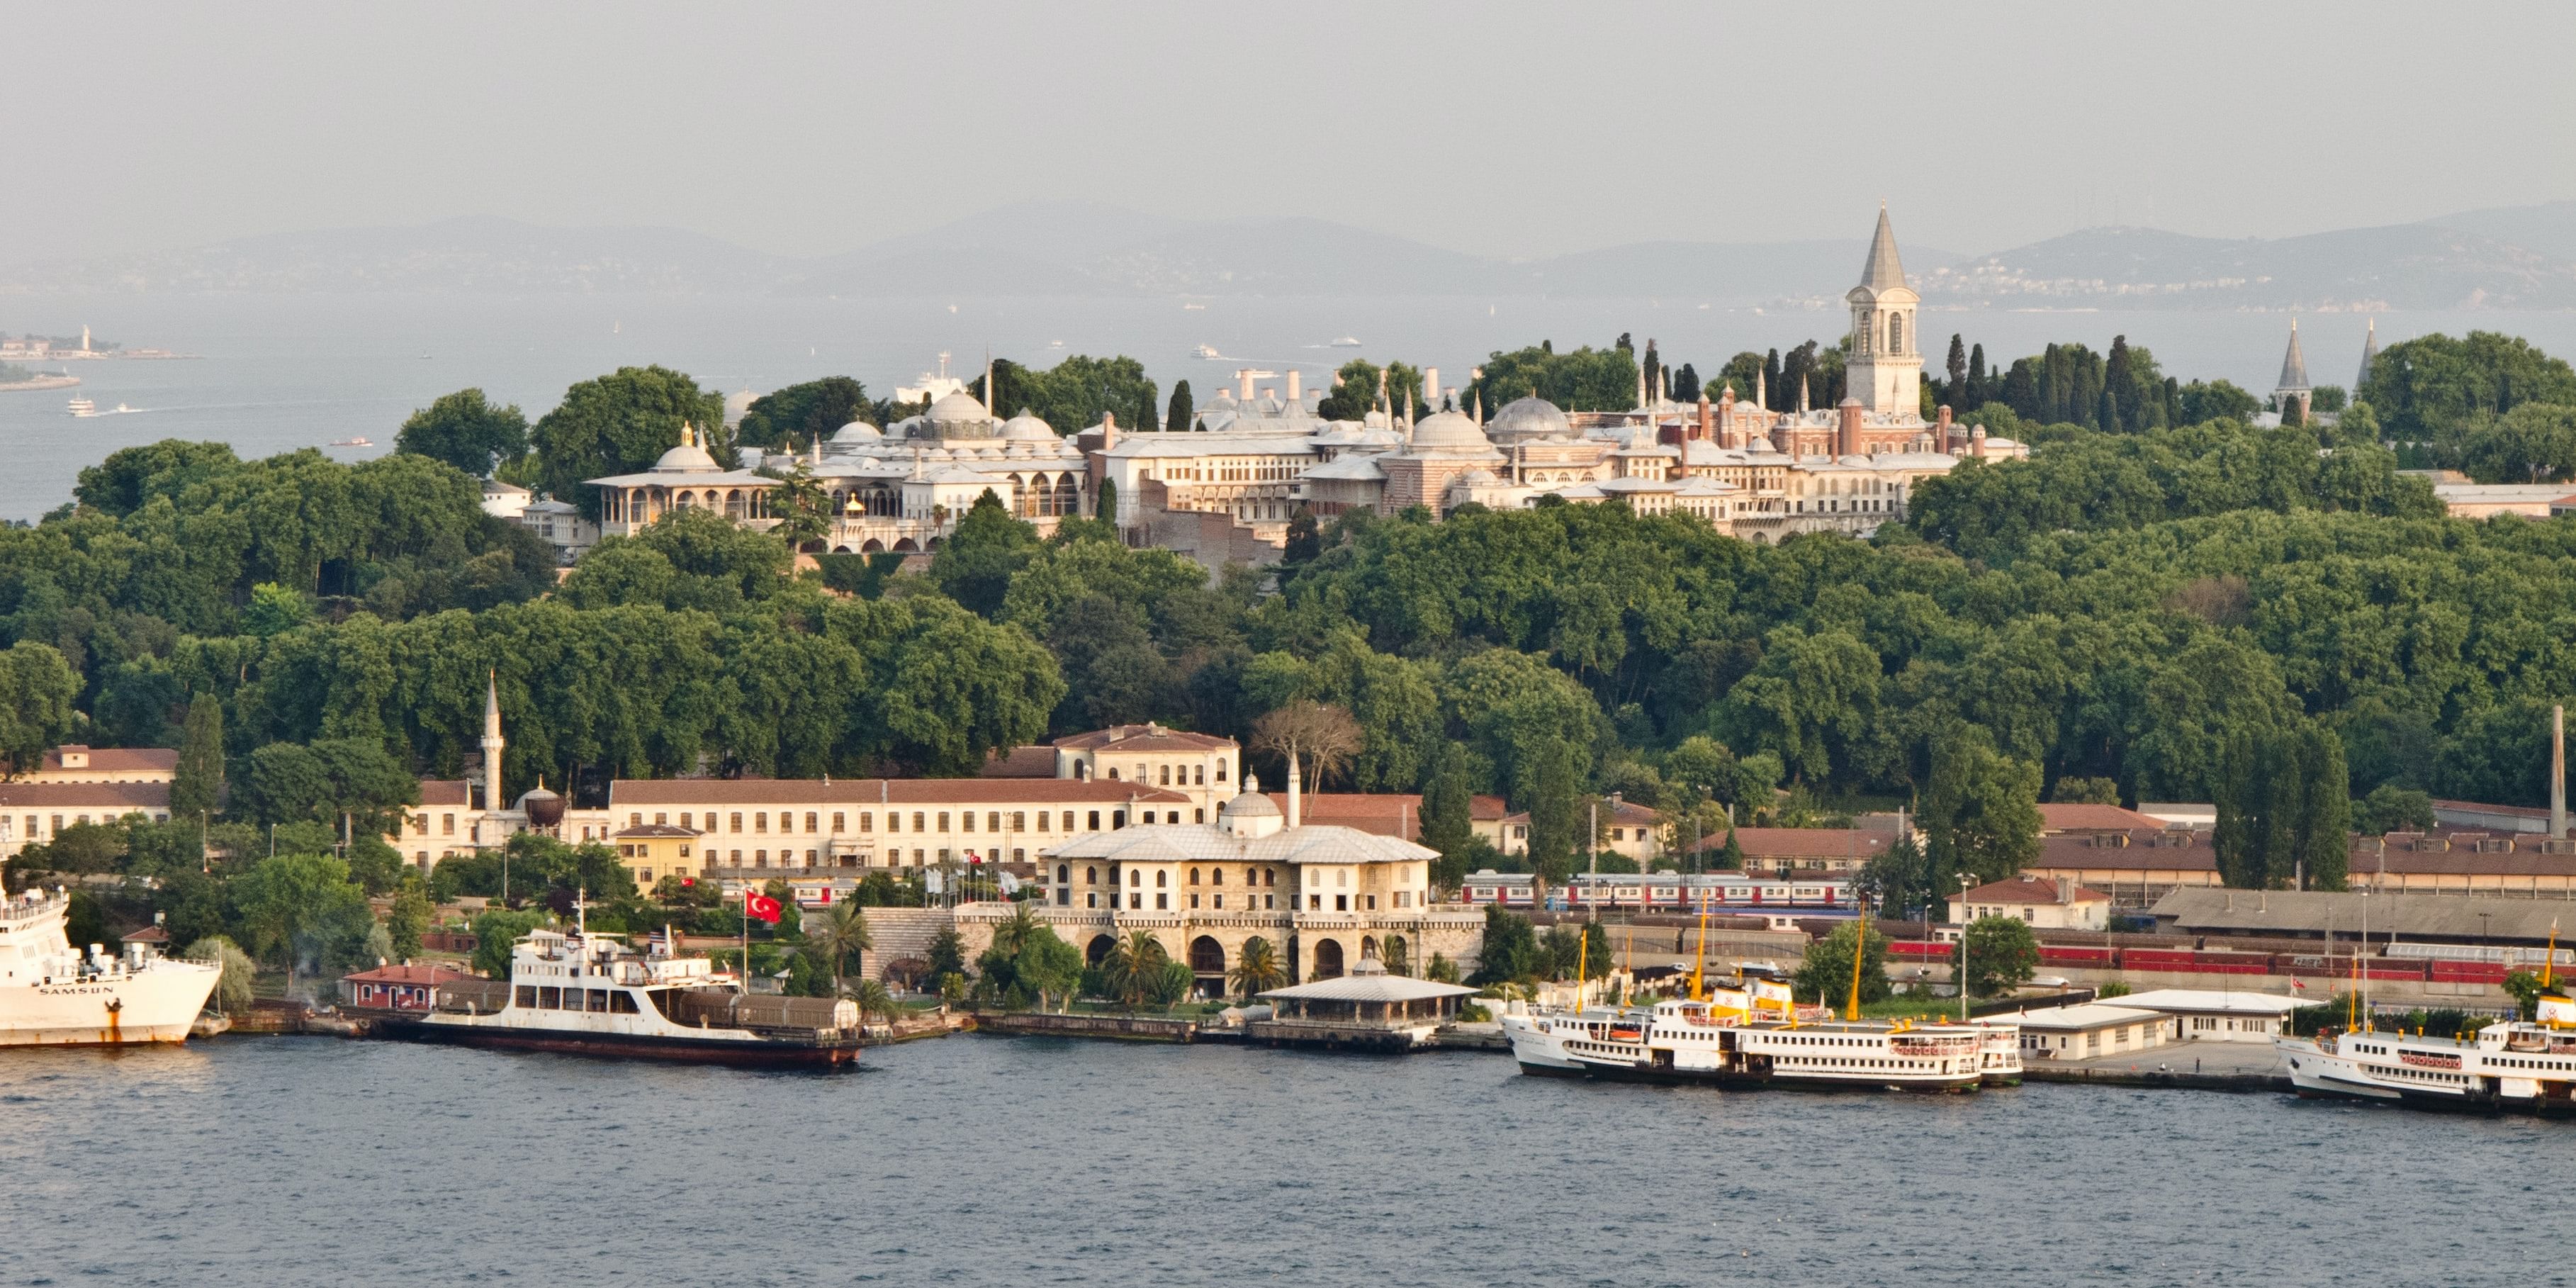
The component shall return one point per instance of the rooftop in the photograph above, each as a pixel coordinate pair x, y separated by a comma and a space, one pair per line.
2026, 889
1144, 737
2089, 1015
120, 797
1369, 988
2211, 999
2074, 816
1203, 843
2453, 917
112, 760
628, 792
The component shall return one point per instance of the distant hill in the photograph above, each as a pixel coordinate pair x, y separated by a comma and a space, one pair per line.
2451, 263
2522, 257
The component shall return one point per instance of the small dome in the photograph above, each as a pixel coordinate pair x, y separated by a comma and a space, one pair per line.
1250, 804
1760, 444
957, 406
1531, 417
687, 458
1028, 428
1479, 478
858, 431
543, 808
1448, 431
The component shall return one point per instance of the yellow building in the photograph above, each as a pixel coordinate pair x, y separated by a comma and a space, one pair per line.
652, 851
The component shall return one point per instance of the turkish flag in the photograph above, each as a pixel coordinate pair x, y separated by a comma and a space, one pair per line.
760, 906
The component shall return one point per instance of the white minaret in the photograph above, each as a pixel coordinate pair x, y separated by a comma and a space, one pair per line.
492, 744
1886, 366
1296, 811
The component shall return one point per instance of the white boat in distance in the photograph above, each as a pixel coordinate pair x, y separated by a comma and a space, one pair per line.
53, 995
1207, 351
84, 407
1347, 342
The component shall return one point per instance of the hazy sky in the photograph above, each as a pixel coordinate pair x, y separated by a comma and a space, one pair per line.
1512, 130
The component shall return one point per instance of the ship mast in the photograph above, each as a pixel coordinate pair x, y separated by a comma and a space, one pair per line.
1860, 947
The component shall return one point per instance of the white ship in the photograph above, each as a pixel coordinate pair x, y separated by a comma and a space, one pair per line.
2518, 1064
592, 995
51, 994
1755, 1035
84, 407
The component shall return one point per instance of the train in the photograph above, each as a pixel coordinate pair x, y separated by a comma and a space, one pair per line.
1816, 895
2420, 963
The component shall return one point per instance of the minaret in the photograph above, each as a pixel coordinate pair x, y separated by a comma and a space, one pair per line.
492, 742
2294, 377
2369, 354
988, 382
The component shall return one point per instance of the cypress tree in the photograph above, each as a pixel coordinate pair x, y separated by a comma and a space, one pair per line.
1448, 822
1304, 543
1182, 411
2325, 841
1772, 391
1957, 388
1106, 508
1686, 384
197, 788
1977, 394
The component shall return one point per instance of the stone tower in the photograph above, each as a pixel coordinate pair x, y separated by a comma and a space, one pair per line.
492, 744
2369, 355
1885, 370
2294, 378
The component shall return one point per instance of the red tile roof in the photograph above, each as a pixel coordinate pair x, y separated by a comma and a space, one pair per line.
120, 797
650, 831
2025, 889
2079, 817
1770, 843
1380, 813
1624, 814
630, 792
120, 760
446, 791
1022, 762
429, 973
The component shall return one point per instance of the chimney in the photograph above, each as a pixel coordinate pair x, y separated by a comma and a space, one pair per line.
1296, 804
1977, 442
1941, 435
1704, 432
1848, 440
1431, 386
2558, 772
1244, 378
1726, 416
2065, 891
1296, 389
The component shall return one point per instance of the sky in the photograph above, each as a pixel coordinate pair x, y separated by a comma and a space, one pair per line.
1518, 130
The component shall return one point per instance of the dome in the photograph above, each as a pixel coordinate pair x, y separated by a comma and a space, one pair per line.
858, 431
1531, 417
1250, 804
1478, 478
543, 808
957, 406
1027, 427
1449, 431
1760, 444
687, 458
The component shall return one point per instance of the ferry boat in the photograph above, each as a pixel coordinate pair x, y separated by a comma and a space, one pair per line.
1207, 351
51, 994
1755, 1035
2518, 1064
592, 995
351, 442
1347, 342
84, 407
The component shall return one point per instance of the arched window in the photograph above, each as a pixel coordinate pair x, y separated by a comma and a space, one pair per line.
1135, 878
1162, 879
1216, 876
1091, 876
1896, 333
1194, 876
1064, 874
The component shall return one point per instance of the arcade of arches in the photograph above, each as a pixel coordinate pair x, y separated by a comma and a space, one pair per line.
1309, 947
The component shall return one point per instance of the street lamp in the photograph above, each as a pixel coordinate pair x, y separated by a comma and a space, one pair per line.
1964, 880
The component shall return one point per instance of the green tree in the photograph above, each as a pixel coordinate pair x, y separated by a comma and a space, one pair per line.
988, 549
1182, 414
303, 912
2391, 808
197, 786
1904, 881
2534, 442
275, 610
1509, 949
496, 930
1825, 973
1305, 539
233, 987
803, 509
1047, 966
1981, 808
621, 423
409, 920
1133, 970
1104, 506
1448, 815
1257, 968
838, 938
2425, 386
2002, 953
2284, 809
793, 418
947, 954
37, 687
465, 430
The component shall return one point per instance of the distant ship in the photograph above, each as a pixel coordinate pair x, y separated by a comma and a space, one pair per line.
1347, 342
52, 995
1195, 308
353, 442
84, 407
118, 410
1207, 351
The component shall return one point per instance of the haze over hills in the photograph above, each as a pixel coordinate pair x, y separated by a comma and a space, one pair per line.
2513, 258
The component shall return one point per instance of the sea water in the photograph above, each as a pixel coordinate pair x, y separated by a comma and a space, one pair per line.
982, 1160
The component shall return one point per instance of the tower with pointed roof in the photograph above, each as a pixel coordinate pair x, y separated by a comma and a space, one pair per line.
2294, 378
2369, 355
1885, 370
492, 744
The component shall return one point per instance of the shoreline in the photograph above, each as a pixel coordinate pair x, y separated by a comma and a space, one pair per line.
40, 383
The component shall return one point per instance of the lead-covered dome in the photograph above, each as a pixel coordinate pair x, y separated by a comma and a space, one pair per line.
1027, 427
1526, 418
687, 458
858, 431
957, 406
1448, 431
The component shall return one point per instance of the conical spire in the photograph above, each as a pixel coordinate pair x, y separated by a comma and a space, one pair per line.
2369, 354
1882, 271
2294, 366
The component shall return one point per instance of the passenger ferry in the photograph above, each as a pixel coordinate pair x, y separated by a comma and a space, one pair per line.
53, 995
2519, 1064
84, 407
592, 995
1755, 1035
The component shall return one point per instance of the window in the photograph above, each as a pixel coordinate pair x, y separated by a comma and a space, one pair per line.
1402, 898
1162, 879
1136, 901
810, 829
1220, 903
1314, 903
1113, 773
684, 818
1117, 819
1270, 876
1220, 771
1020, 820
659, 819
1202, 776
737, 822
840, 822
419, 825
760, 821
1162, 902
1063, 874
1095, 820
446, 824
1091, 876
968, 820
1341, 903
1194, 877
1369, 902
786, 823
1198, 816
919, 818
1068, 820
1270, 901
1135, 877
1216, 876
1896, 333
1166, 776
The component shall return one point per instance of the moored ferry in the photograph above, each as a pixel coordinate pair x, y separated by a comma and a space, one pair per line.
2517, 1064
1755, 1035
51, 994
592, 995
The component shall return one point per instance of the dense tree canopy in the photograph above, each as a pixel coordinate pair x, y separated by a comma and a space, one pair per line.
791, 419
620, 423
466, 431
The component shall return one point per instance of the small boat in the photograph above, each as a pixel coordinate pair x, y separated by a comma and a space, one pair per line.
353, 442
119, 410
1347, 342
1207, 351
84, 407
1194, 308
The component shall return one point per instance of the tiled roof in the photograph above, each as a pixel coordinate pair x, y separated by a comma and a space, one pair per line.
625, 793
1369, 988
116, 796
2443, 854
2030, 890
432, 973
1385, 813
1021, 762
2079, 817
115, 760
446, 791
1208, 843
1143, 737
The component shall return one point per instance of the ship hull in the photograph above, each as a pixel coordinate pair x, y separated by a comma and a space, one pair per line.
628, 1046
1741, 1081
154, 1006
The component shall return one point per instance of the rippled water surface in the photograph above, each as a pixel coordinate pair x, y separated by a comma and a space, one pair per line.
974, 1160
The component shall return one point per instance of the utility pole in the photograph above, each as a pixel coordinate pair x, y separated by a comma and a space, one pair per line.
1964, 922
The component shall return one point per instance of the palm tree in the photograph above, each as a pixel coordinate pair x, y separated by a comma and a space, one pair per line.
873, 999
840, 935
1257, 969
1014, 934
1132, 966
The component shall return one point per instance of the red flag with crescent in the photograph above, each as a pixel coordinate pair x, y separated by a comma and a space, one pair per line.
761, 907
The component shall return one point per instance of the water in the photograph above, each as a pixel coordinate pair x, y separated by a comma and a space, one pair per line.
288, 371
285, 1161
